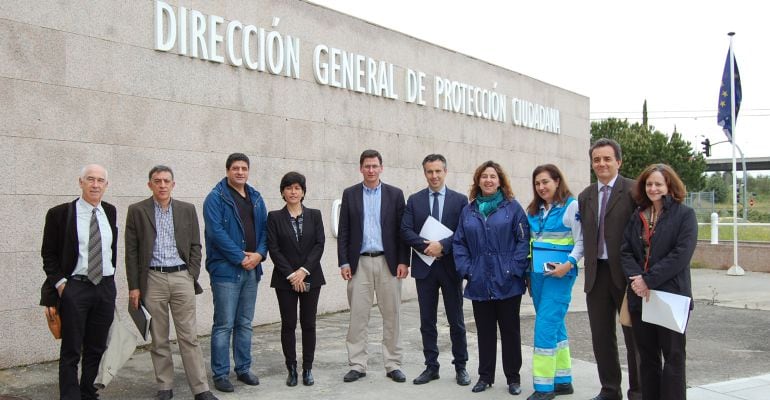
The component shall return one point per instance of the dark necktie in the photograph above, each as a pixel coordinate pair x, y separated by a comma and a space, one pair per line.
605, 193
434, 213
94, 250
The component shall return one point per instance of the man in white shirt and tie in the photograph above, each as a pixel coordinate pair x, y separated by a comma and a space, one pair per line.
79, 252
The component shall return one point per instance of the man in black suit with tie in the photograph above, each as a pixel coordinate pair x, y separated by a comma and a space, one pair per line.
445, 205
605, 208
79, 252
373, 259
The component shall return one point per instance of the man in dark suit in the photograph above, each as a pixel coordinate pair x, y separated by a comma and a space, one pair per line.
79, 252
163, 261
373, 259
605, 208
445, 205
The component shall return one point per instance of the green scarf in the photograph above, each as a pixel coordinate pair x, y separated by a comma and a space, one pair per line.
487, 204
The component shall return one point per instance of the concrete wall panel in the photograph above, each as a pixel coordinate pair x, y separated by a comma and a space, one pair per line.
80, 82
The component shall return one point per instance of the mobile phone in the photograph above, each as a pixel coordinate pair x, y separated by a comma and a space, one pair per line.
549, 266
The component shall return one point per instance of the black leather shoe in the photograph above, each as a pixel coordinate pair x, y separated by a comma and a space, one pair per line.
514, 388
563, 388
353, 376
480, 386
291, 380
223, 385
396, 375
426, 376
462, 377
600, 397
165, 394
248, 378
307, 377
542, 396
207, 395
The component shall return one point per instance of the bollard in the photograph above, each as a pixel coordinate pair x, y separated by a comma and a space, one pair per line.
714, 228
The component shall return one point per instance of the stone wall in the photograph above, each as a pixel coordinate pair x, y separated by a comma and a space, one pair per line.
753, 257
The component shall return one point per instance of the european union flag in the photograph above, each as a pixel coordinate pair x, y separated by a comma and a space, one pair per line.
724, 117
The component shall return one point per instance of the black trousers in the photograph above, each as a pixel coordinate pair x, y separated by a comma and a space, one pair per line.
86, 312
662, 354
603, 303
427, 297
308, 305
490, 315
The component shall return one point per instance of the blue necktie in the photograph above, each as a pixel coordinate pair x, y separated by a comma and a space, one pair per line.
435, 212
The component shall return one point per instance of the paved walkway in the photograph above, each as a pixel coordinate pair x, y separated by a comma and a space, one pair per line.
747, 293
755, 388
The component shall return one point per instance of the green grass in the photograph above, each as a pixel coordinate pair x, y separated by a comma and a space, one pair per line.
747, 233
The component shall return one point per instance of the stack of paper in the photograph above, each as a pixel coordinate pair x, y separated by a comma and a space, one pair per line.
433, 230
668, 310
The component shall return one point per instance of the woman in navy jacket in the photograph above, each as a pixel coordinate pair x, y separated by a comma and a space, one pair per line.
490, 247
658, 244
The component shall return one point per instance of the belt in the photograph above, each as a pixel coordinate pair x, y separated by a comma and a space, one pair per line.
166, 270
373, 254
83, 278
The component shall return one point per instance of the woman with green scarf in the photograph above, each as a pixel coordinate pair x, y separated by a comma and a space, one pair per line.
490, 248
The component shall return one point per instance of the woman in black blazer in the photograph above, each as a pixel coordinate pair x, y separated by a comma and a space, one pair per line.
295, 240
658, 245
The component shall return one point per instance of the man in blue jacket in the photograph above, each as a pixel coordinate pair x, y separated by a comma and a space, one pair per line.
236, 243
445, 205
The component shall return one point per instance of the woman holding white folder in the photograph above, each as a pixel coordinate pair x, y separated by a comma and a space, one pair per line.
658, 245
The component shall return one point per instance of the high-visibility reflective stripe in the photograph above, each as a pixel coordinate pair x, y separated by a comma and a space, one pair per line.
561, 238
544, 352
563, 372
564, 344
543, 381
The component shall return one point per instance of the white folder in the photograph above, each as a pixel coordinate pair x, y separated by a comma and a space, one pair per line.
433, 230
668, 310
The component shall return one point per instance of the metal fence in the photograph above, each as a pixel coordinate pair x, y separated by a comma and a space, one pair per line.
702, 203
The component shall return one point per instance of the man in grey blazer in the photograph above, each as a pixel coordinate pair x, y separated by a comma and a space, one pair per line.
605, 281
163, 261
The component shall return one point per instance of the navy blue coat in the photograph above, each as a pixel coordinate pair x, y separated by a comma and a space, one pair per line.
351, 227
492, 253
673, 245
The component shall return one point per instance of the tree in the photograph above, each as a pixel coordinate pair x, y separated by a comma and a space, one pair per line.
715, 183
644, 115
643, 146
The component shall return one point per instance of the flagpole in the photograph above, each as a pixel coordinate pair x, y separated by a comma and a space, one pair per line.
735, 269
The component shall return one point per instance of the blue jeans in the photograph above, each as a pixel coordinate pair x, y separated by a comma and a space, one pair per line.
234, 304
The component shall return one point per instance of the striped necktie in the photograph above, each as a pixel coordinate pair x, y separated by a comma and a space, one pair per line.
94, 250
